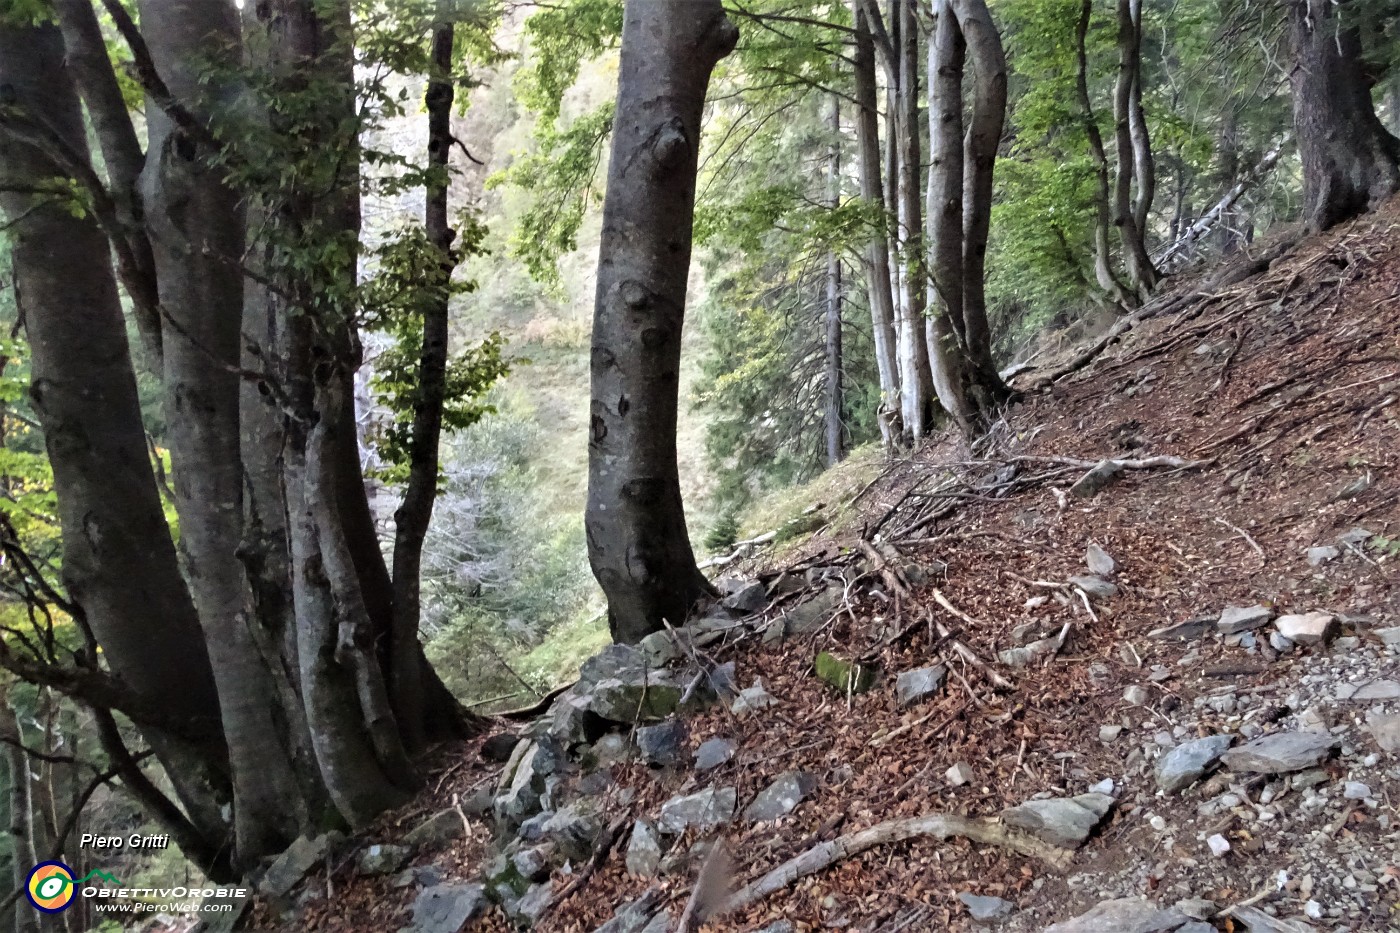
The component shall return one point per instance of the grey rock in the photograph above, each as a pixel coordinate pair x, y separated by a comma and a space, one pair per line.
1389, 636
752, 699
1385, 730
746, 600
1309, 628
639, 916
571, 720
1374, 691
1095, 587
614, 661
533, 863
382, 859
523, 781
446, 908
1355, 536
1242, 619
642, 696
300, 857
1279, 643
781, 797
575, 830
1093, 482
959, 774
1197, 908
532, 905
663, 647
808, 616
663, 745
711, 807
778, 926
1281, 753
1098, 561
424, 876
1025, 656
532, 830
1185, 764
611, 749
644, 849
499, 747
984, 908
1189, 630
916, 685
1256, 921
1136, 695
1317, 556
1197, 926
1125, 915
1355, 790
1060, 821
712, 753
436, 831
1110, 732
222, 914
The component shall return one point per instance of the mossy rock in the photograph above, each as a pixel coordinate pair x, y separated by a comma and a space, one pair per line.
845, 676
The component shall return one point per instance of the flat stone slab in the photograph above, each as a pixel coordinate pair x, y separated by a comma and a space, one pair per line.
1183, 631
781, 797
711, 807
712, 753
446, 908
1125, 915
986, 908
1281, 753
1237, 619
1183, 765
1308, 628
1386, 731
1061, 821
913, 686
1371, 692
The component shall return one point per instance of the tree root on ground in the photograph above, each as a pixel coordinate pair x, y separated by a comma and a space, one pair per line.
935, 825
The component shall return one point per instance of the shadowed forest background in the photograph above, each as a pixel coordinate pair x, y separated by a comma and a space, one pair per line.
301, 303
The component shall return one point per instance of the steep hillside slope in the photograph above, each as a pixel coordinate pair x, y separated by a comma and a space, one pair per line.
1255, 433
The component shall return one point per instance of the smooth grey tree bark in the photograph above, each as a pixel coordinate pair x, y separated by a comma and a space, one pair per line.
834, 428
119, 561
916, 376
1131, 144
877, 252
1349, 157
638, 545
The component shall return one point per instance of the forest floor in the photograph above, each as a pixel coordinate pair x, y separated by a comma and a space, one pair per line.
1286, 387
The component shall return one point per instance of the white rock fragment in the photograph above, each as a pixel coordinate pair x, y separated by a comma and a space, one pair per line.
1219, 845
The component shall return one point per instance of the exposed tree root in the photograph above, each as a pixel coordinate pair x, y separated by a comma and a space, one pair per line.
937, 825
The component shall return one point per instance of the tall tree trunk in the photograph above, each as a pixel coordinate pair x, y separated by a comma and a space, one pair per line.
1141, 276
915, 376
1103, 260
877, 251
835, 441
22, 855
1144, 164
638, 544
946, 55
1349, 158
979, 167
119, 562
196, 222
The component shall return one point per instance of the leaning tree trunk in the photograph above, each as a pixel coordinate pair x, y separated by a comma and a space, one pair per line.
638, 545
196, 223
119, 562
835, 439
1141, 275
1349, 158
1103, 261
877, 252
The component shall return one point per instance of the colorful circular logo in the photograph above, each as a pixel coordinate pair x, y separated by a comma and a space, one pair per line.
50, 887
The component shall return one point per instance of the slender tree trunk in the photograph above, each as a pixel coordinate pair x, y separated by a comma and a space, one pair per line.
119, 561
1349, 158
1103, 261
1141, 276
904, 359
22, 858
946, 55
877, 253
196, 222
916, 377
835, 441
979, 167
638, 544
1144, 165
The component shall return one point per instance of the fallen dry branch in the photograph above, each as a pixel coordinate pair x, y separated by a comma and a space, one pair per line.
934, 825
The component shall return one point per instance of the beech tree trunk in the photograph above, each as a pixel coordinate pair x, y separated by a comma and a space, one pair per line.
835, 439
119, 561
1103, 260
916, 376
638, 545
877, 252
1129, 131
1349, 158
1144, 164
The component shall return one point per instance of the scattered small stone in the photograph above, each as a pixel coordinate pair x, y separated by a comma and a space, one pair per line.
753, 698
1281, 752
1098, 561
1355, 790
1060, 821
1280, 643
916, 685
1312, 910
300, 857
1317, 556
1136, 695
436, 831
1104, 787
1385, 730
1109, 733
1183, 631
383, 859
959, 774
1093, 482
1197, 908
986, 908
1355, 536
712, 753
746, 599
711, 807
1219, 845
1242, 619
1095, 587
663, 745
781, 797
1125, 915
1188, 762
1311, 628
